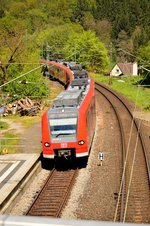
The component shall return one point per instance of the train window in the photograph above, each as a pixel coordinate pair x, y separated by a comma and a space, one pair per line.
63, 126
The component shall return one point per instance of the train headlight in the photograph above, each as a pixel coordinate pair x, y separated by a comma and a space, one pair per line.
81, 142
46, 144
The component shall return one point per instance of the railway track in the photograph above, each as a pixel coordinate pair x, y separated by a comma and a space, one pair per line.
54, 194
133, 203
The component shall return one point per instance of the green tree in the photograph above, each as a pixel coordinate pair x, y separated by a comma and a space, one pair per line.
83, 8
139, 37
57, 37
3, 7
87, 49
124, 43
143, 59
88, 21
62, 9
11, 47
143, 55
103, 29
32, 85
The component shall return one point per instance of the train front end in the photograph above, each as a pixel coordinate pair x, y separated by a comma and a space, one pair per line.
60, 133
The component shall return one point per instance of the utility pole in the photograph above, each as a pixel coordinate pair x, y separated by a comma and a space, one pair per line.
75, 52
110, 54
47, 52
110, 51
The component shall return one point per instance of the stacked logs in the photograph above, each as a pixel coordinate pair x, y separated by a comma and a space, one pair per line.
24, 106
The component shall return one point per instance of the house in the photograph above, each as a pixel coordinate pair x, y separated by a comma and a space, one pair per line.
124, 69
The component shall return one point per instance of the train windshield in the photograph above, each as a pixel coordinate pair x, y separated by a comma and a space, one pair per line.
60, 127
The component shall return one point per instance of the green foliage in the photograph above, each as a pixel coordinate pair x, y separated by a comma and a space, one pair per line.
128, 87
103, 30
83, 8
3, 125
57, 37
26, 26
144, 53
126, 15
124, 43
37, 19
88, 21
87, 49
143, 56
33, 86
3, 7
62, 9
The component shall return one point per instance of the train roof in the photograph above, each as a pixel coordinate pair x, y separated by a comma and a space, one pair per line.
62, 112
73, 65
69, 98
68, 103
80, 82
80, 73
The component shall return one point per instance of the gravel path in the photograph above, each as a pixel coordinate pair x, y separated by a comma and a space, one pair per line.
30, 140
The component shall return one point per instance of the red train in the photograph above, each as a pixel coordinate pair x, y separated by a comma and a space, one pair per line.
68, 126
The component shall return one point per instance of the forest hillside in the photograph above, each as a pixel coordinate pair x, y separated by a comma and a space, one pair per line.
96, 33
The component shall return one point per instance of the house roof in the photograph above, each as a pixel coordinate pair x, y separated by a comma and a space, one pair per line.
126, 68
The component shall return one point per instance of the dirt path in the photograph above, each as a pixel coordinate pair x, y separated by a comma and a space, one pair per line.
31, 139
17, 128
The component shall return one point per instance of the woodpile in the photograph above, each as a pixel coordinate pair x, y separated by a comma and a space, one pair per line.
24, 106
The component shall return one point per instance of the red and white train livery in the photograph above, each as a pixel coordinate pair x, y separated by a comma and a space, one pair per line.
68, 126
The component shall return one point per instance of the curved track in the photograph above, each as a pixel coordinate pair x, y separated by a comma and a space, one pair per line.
134, 196
54, 194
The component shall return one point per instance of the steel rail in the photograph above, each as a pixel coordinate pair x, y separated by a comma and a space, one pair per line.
135, 122
140, 139
52, 197
123, 151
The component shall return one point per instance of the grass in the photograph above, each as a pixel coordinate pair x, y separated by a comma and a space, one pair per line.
3, 125
9, 142
127, 86
27, 121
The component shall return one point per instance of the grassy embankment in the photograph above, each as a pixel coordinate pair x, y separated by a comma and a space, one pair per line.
128, 87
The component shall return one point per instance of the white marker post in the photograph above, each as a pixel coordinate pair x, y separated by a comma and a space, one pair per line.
101, 157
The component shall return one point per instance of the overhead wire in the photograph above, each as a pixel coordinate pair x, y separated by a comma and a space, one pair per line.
21, 76
24, 75
27, 73
125, 163
131, 174
134, 56
134, 152
19, 63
